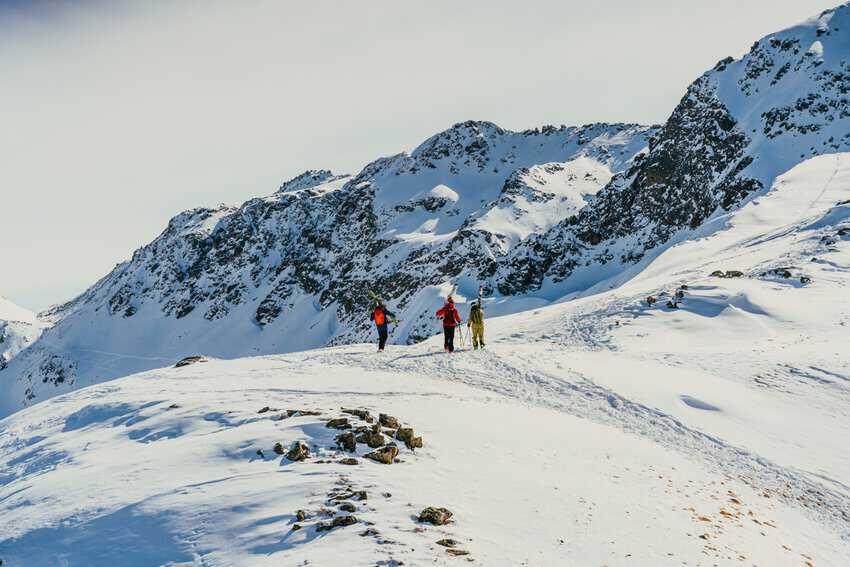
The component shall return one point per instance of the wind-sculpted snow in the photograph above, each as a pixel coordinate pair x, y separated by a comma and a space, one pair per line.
532, 216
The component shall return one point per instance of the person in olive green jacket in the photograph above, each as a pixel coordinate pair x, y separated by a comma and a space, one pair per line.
476, 324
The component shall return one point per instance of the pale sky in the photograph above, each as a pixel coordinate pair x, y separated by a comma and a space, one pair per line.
117, 115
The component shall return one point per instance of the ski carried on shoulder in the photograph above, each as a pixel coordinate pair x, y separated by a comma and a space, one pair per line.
376, 299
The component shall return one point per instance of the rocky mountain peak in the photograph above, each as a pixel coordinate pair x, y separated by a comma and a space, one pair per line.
309, 179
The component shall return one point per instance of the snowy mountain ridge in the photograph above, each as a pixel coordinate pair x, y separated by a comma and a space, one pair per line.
290, 271
607, 430
535, 216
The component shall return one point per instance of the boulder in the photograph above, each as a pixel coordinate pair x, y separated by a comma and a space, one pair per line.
349, 461
718, 274
264, 410
348, 507
447, 542
300, 515
347, 441
298, 451
338, 522
457, 552
372, 438
189, 360
805, 280
385, 455
278, 448
435, 516
358, 495
362, 414
734, 274
338, 423
672, 304
388, 421
651, 300
406, 434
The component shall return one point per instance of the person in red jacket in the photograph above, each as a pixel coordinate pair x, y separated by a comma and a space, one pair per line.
451, 319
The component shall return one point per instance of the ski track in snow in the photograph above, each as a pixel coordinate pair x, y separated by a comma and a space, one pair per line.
521, 378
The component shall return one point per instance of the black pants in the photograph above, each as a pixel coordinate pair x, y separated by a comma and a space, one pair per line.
449, 342
382, 337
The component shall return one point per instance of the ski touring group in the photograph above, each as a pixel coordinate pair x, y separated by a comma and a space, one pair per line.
448, 314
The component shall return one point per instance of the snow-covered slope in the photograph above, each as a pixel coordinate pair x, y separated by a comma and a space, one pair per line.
595, 431
18, 328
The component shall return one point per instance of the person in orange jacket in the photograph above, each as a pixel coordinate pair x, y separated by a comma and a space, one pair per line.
451, 319
381, 316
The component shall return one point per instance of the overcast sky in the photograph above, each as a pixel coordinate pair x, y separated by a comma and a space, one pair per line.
118, 115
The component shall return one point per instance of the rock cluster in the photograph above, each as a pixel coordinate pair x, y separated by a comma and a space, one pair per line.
727, 274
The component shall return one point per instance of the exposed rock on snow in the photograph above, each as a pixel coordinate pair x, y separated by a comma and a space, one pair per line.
436, 516
385, 455
190, 360
362, 414
338, 423
388, 421
373, 438
347, 441
298, 451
